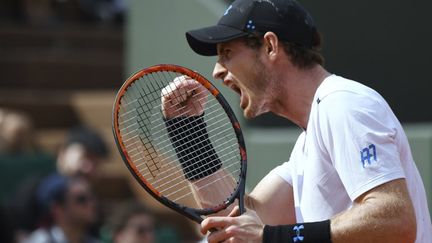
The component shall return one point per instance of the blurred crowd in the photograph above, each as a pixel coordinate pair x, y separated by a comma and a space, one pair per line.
60, 194
45, 11
51, 198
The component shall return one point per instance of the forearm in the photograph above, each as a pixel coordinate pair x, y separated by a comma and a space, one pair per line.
380, 217
193, 147
273, 201
214, 188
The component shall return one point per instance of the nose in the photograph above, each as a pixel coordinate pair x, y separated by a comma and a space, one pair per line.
219, 71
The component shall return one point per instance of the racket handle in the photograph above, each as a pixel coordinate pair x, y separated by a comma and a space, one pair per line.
242, 208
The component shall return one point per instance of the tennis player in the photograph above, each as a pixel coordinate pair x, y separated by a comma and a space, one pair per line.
351, 176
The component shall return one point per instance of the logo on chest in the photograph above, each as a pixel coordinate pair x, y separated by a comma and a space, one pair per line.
368, 155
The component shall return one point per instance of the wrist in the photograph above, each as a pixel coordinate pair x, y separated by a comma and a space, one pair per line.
298, 233
261, 235
193, 147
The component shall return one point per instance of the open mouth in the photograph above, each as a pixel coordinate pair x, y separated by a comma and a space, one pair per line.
236, 89
239, 92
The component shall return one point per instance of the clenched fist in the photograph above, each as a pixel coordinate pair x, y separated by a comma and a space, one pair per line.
183, 97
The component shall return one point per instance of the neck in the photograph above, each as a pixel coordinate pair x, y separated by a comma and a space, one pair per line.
296, 94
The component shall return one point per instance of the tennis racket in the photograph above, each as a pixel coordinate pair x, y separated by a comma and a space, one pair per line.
180, 140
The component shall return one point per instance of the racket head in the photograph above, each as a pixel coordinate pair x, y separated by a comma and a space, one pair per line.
137, 117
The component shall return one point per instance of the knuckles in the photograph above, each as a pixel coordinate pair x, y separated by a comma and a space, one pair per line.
183, 97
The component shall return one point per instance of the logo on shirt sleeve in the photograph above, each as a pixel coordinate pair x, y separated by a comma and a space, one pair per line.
368, 155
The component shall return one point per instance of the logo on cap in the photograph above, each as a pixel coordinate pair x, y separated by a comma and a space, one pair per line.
250, 25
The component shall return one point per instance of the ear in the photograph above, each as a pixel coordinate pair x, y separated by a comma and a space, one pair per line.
271, 45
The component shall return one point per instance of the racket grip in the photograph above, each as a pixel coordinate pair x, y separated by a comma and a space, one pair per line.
193, 147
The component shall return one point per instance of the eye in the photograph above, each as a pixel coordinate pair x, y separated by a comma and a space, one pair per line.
225, 54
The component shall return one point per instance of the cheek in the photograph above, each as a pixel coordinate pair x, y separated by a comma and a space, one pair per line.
253, 75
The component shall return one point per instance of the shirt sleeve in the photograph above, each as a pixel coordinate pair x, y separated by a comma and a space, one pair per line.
284, 171
360, 134
287, 169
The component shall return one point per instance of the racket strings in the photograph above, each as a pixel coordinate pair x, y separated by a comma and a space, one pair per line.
226, 184
183, 124
146, 140
234, 156
171, 156
180, 174
209, 183
195, 170
132, 103
205, 186
216, 130
191, 157
190, 135
158, 126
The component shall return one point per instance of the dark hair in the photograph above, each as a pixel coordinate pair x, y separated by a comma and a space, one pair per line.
89, 138
51, 190
300, 56
124, 213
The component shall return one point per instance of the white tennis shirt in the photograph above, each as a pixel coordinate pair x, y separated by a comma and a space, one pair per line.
353, 142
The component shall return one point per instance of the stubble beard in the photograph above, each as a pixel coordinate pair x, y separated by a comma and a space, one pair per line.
262, 90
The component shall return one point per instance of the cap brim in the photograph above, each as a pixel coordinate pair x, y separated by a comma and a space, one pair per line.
203, 41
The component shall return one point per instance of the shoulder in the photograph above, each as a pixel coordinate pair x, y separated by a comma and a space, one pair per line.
39, 235
345, 93
350, 109
340, 98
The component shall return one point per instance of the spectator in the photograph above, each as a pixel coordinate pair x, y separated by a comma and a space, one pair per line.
80, 155
16, 132
68, 211
84, 150
132, 223
20, 155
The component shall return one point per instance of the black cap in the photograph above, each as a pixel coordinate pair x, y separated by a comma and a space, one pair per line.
287, 18
50, 190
